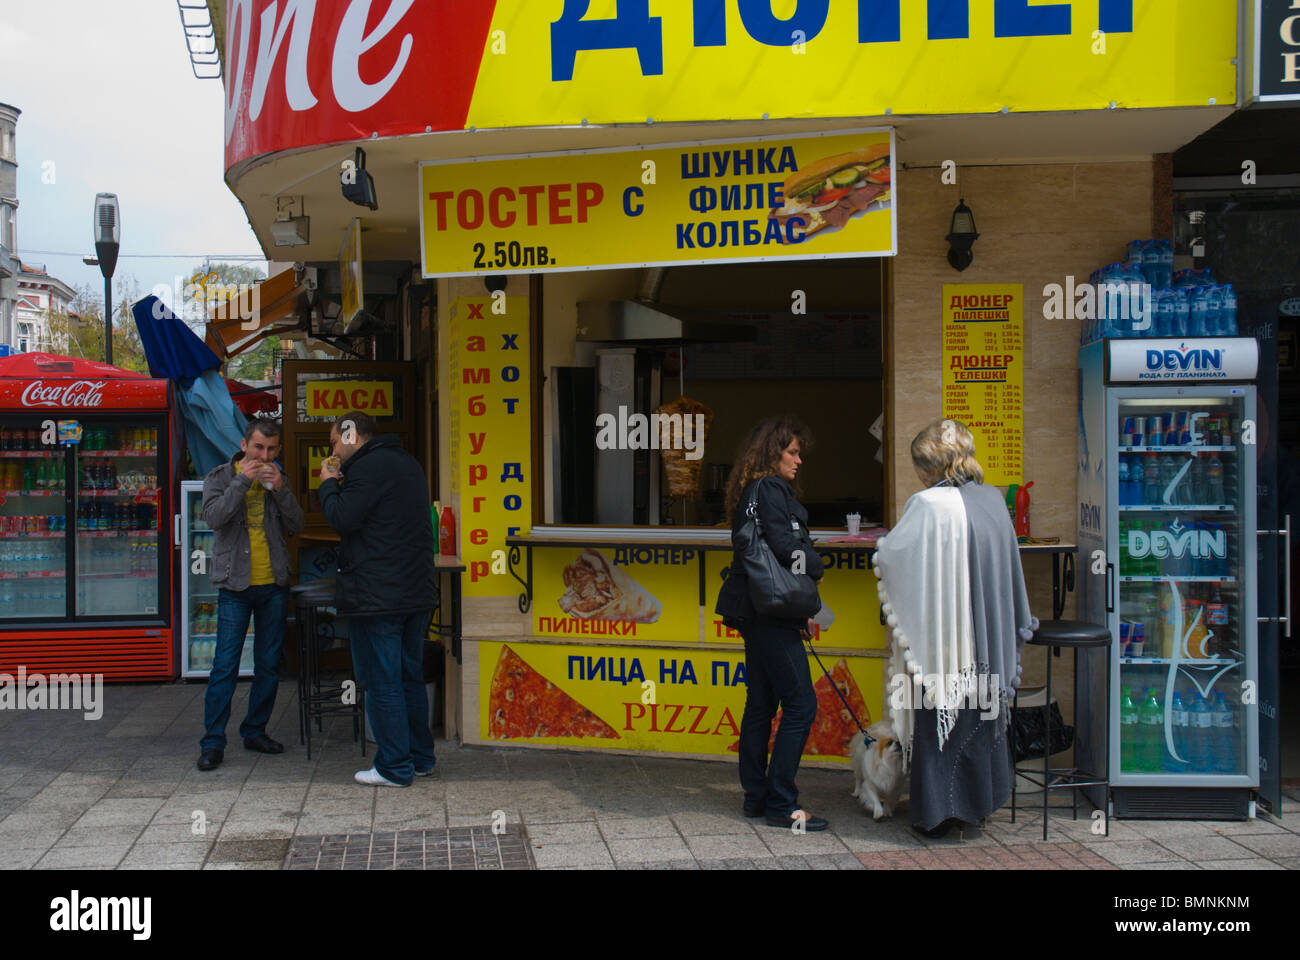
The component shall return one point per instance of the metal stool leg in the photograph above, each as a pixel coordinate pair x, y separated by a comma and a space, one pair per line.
1011, 745
1047, 746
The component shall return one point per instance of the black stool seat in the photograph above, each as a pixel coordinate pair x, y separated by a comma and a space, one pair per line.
316, 592
1070, 633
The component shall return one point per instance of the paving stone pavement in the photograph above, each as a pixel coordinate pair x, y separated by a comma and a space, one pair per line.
123, 792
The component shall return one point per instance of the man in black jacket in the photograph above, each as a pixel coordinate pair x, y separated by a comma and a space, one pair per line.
377, 499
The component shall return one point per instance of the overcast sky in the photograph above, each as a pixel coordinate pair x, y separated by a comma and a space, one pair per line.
109, 104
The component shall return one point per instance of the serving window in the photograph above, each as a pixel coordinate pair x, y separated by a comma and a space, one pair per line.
824, 365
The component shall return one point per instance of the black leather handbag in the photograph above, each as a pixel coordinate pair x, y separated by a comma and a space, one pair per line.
774, 590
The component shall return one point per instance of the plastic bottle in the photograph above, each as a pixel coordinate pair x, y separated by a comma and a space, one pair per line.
1136, 255
1214, 480
1182, 313
1164, 322
1200, 306
1166, 263
1150, 733
1135, 302
1128, 731
1178, 719
1213, 310
1011, 502
1022, 510
1228, 317
1151, 262
1225, 745
1124, 480
1200, 724
447, 532
1152, 492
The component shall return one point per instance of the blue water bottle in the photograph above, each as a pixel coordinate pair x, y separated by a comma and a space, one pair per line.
1199, 309
1201, 725
1166, 263
1151, 262
1164, 322
1182, 313
1225, 741
1213, 310
1228, 316
1178, 720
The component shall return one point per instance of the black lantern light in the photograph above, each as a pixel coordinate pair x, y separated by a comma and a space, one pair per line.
962, 237
107, 227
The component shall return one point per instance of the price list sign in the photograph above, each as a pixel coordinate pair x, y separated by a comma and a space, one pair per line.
984, 372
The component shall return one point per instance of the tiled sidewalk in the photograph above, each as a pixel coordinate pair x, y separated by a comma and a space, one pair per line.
123, 792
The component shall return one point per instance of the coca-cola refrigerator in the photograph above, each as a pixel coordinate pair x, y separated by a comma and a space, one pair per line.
86, 468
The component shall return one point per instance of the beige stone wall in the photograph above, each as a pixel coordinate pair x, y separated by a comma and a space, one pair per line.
1038, 224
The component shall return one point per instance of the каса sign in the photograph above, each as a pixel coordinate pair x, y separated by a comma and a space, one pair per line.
307, 72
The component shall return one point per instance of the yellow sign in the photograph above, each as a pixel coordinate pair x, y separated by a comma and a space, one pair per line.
794, 198
350, 272
614, 62
490, 437
984, 372
332, 398
846, 590
628, 698
315, 457
607, 593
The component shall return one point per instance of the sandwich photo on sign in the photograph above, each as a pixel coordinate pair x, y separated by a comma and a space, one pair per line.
830, 192
596, 589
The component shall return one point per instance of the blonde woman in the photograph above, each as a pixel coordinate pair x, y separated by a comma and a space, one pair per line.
776, 667
954, 594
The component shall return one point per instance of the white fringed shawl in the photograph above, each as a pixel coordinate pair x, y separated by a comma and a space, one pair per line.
924, 590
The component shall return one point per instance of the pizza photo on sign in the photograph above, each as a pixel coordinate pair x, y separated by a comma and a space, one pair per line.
833, 727
595, 589
522, 703
827, 194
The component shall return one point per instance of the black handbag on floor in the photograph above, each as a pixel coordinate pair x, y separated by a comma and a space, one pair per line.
774, 590
1029, 732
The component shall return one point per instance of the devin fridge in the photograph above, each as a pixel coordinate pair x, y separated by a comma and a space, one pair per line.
1166, 482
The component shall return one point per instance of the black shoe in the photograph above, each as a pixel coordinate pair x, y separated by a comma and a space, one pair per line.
211, 759
753, 812
263, 744
939, 832
811, 824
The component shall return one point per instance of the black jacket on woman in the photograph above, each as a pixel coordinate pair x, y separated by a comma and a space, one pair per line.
381, 512
785, 527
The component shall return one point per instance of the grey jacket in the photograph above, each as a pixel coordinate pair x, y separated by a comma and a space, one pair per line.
224, 510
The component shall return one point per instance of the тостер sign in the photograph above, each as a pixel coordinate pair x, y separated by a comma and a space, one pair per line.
801, 197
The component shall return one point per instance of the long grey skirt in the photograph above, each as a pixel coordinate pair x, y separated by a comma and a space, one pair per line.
968, 779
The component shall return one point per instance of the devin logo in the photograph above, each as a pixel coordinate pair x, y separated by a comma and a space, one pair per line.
1184, 359
79, 393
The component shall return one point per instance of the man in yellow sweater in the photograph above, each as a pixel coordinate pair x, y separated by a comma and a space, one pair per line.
248, 504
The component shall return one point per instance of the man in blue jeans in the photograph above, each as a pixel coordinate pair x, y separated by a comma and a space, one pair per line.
250, 509
376, 497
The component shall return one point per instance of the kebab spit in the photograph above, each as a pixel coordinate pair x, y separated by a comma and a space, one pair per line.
683, 473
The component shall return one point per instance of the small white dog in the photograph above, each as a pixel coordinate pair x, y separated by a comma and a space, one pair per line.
878, 769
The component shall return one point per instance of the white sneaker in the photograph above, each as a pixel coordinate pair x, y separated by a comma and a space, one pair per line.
373, 778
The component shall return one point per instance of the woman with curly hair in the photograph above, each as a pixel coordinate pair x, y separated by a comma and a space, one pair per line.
776, 667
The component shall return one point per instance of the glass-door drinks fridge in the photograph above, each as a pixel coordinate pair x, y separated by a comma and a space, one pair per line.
198, 616
84, 477
1167, 530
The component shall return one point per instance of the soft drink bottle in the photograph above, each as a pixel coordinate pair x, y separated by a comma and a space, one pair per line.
1152, 491
1128, 731
1225, 744
1201, 724
1178, 719
1123, 480
1214, 480
1150, 733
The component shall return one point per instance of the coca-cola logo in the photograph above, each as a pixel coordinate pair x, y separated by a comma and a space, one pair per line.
78, 393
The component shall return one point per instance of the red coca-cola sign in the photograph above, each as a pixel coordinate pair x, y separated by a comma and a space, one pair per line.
82, 393
300, 73
64, 394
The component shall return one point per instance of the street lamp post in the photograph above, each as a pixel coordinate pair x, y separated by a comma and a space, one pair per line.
107, 228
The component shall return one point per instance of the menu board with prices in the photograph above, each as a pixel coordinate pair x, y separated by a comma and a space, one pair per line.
983, 372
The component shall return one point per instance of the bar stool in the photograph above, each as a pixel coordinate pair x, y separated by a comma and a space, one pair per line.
1057, 635
317, 699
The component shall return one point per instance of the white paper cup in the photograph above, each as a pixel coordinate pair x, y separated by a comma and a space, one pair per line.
854, 522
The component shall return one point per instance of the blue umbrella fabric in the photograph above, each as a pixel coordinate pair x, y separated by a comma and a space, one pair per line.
172, 349
213, 424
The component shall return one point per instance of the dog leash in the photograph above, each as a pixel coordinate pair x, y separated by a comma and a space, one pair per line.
868, 738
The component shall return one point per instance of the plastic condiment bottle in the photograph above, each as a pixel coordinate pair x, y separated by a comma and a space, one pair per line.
447, 533
1022, 510
1011, 501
